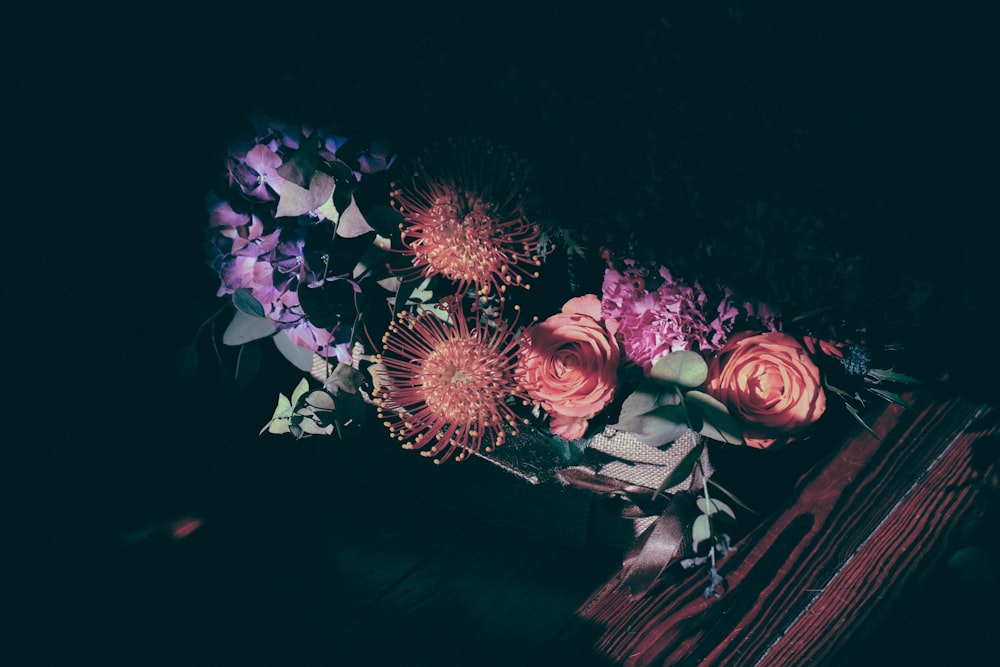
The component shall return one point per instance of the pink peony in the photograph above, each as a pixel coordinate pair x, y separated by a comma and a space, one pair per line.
569, 365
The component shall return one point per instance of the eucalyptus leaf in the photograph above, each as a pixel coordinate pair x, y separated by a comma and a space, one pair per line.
352, 223
701, 531
245, 328
245, 302
684, 368
716, 422
658, 426
648, 396
299, 356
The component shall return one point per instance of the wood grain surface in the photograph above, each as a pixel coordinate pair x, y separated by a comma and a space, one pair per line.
807, 585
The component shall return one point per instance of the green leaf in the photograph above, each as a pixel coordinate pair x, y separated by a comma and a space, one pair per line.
716, 422
682, 471
891, 397
245, 328
732, 496
280, 419
300, 357
878, 375
352, 223
658, 427
685, 368
711, 506
296, 200
854, 413
245, 302
300, 390
700, 531
648, 396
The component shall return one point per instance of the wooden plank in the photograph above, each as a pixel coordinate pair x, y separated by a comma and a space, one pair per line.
805, 583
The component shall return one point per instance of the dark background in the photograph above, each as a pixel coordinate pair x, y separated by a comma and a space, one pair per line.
878, 118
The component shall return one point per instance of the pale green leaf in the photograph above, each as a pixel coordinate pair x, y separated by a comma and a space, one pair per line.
649, 395
700, 531
295, 200
300, 389
299, 356
277, 426
685, 368
328, 210
352, 223
246, 328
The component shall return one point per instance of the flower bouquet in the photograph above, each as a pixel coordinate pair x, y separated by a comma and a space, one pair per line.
436, 301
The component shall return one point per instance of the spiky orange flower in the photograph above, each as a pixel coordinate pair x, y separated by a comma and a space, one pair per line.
467, 217
446, 384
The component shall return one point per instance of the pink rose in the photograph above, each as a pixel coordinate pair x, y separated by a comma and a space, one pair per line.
768, 382
569, 365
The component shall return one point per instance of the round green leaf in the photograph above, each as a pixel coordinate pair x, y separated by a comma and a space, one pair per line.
245, 302
683, 367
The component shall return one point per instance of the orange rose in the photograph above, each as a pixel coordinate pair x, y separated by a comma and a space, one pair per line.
769, 382
569, 365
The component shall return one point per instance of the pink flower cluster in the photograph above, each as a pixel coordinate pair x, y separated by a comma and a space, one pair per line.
658, 314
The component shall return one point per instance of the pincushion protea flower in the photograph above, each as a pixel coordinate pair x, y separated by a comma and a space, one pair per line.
445, 384
467, 217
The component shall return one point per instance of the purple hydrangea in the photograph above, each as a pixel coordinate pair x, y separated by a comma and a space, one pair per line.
250, 248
